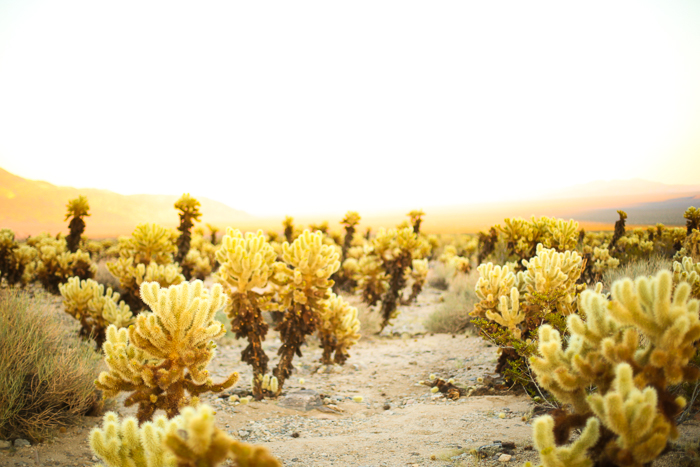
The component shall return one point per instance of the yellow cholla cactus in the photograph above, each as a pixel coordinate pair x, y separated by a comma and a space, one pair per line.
54, 264
14, 258
88, 302
417, 275
166, 352
563, 456
371, 279
631, 350
306, 287
247, 265
688, 271
132, 275
550, 279
509, 313
522, 237
188, 440
148, 243
338, 330
494, 282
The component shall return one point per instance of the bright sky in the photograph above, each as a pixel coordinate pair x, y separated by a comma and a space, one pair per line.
300, 107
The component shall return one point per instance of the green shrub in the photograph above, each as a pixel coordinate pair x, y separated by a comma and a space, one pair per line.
46, 378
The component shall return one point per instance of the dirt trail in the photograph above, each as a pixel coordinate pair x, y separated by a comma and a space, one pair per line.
398, 422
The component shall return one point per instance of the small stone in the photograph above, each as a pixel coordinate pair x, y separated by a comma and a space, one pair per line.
19, 442
5, 444
505, 458
304, 400
386, 406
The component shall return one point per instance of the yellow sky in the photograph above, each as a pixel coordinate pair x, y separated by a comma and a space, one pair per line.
301, 107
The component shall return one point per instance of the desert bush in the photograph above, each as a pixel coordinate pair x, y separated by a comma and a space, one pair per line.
440, 275
615, 371
188, 440
452, 316
46, 377
164, 355
646, 266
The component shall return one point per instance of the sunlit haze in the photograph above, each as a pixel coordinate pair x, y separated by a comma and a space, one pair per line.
320, 107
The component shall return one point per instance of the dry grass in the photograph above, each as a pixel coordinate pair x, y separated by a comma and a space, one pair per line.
641, 267
452, 316
46, 376
440, 275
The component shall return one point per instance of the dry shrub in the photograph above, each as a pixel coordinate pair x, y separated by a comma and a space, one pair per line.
104, 277
452, 315
46, 376
440, 275
646, 267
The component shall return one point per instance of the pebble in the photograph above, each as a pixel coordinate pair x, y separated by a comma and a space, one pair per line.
505, 458
22, 443
5, 444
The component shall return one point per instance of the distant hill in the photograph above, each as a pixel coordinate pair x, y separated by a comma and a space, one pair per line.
29, 207
668, 212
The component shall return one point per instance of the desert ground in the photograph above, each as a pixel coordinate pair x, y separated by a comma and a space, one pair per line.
397, 421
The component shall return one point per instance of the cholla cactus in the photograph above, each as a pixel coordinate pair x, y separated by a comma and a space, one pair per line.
247, 264
189, 214
338, 330
288, 224
416, 217
188, 440
397, 250
88, 302
303, 296
76, 209
550, 280
350, 222
688, 271
494, 282
522, 237
54, 264
166, 352
146, 256
631, 350
14, 258
371, 278
417, 276
692, 219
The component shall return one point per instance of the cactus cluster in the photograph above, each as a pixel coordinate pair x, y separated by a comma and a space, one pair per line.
188, 440
88, 302
146, 256
631, 350
163, 356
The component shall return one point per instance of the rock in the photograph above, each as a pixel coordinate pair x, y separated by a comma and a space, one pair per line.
505, 458
5, 444
19, 442
303, 400
489, 450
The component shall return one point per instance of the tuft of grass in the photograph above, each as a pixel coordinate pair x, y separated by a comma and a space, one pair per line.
46, 374
642, 267
452, 315
104, 277
439, 276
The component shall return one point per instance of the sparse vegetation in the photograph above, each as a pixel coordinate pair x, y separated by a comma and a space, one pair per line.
46, 375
